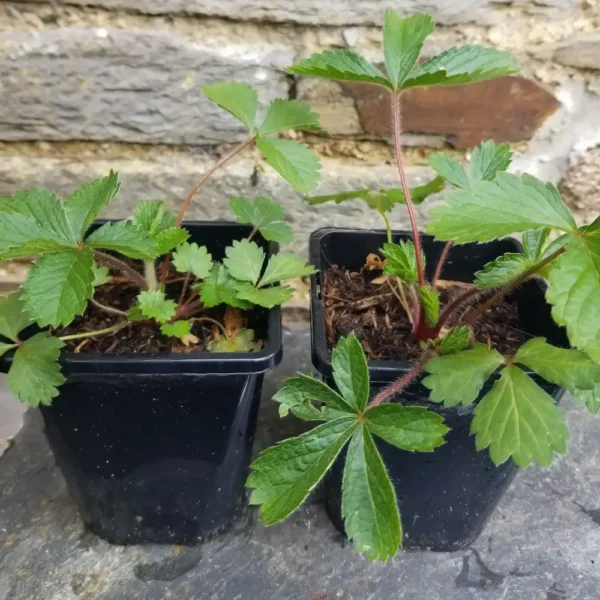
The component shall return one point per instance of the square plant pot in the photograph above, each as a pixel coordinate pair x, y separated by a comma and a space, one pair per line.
446, 496
156, 447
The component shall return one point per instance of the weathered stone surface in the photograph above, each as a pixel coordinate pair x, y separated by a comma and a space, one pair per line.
11, 416
542, 542
169, 176
94, 84
317, 12
582, 52
581, 185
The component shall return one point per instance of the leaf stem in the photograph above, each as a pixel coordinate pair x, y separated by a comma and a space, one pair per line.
150, 274
388, 226
108, 309
111, 261
186, 282
252, 233
213, 321
440, 264
86, 334
451, 308
400, 294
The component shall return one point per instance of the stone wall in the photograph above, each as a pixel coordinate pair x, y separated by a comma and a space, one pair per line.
89, 85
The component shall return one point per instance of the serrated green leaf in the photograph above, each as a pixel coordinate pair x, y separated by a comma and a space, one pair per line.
340, 65
298, 165
220, 288
418, 193
58, 287
101, 275
4, 348
13, 316
454, 341
401, 260
339, 198
152, 217
534, 242
242, 341
176, 329
122, 237
284, 266
289, 114
169, 239
495, 209
154, 305
458, 378
589, 398
502, 270
430, 303
403, 40
464, 64
265, 297
265, 215
411, 428
86, 204
518, 418
283, 476
369, 506
35, 373
245, 260
298, 397
574, 292
191, 258
238, 99
451, 170
570, 369
350, 372
488, 160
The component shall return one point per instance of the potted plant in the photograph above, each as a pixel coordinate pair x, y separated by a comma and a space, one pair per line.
484, 347
145, 341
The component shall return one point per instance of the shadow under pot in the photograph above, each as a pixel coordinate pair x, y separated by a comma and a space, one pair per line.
155, 448
447, 496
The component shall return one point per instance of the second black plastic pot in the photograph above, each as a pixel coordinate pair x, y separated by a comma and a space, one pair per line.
156, 448
447, 496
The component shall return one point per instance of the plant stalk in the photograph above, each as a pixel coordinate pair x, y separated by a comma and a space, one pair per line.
440, 264
388, 226
150, 274
111, 261
86, 334
108, 309
451, 308
186, 282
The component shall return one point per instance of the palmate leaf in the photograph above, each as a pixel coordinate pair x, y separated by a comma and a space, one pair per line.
289, 114
495, 209
122, 237
574, 292
589, 398
298, 165
518, 419
403, 40
451, 170
401, 260
242, 341
284, 475
35, 373
245, 260
176, 329
154, 305
430, 303
265, 215
157, 223
534, 242
369, 506
13, 316
265, 297
340, 65
221, 288
238, 99
58, 287
488, 160
284, 266
101, 275
464, 64
502, 270
191, 258
350, 372
454, 341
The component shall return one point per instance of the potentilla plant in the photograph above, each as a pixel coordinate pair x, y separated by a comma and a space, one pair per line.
516, 419
74, 258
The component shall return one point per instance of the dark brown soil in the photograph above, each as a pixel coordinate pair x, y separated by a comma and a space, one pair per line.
144, 336
353, 303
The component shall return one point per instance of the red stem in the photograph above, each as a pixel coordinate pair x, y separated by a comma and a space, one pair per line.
451, 308
440, 264
186, 282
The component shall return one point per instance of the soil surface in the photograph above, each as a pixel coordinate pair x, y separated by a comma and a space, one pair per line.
145, 336
353, 302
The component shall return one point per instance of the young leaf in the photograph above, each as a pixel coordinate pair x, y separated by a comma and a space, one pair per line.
403, 40
340, 65
265, 297
4, 347
238, 99
464, 64
589, 398
451, 170
191, 258
411, 428
123, 237
265, 215
502, 270
401, 260
176, 329
518, 418
292, 160
534, 242
458, 378
284, 266
86, 204
570, 369
58, 287
284, 475
495, 209
574, 292
242, 341
488, 160
245, 260
157, 223
454, 341
35, 373
289, 114
169, 239
101, 275
154, 305
221, 288
430, 303
13, 316
350, 372
369, 506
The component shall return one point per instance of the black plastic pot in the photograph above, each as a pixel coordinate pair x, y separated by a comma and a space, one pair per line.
447, 496
155, 448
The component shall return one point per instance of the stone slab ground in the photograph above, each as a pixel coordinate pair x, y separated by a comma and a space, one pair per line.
543, 542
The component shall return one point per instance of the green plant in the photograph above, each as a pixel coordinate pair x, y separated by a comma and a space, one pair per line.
74, 258
516, 419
